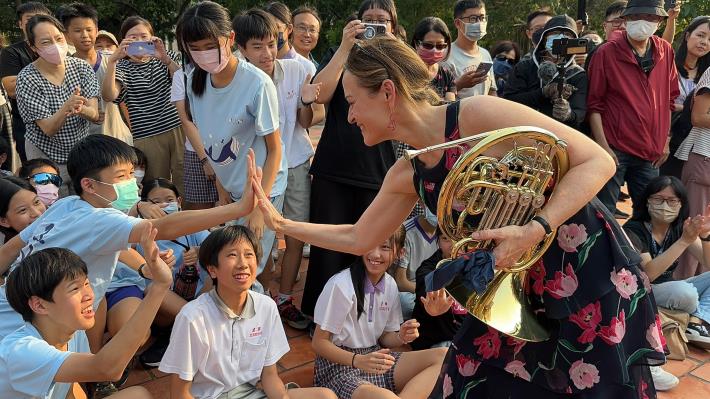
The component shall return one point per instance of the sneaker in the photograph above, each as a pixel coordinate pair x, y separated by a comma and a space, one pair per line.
662, 379
698, 335
306, 250
103, 389
152, 356
293, 317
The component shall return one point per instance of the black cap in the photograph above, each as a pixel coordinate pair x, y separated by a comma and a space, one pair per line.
652, 7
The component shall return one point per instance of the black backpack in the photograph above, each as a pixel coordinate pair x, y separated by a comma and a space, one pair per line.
680, 122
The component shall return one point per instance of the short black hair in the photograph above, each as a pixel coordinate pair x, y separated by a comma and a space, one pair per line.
539, 12
220, 238
39, 274
385, 5
141, 158
4, 146
131, 22
9, 186
94, 153
431, 24
280, 11
31, 7
77, 10
616, 7
254, 24
462, 5
32, 164
38, 19
158, 183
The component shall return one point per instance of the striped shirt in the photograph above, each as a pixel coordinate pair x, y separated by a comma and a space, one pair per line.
698, 140
38, 98
145, 88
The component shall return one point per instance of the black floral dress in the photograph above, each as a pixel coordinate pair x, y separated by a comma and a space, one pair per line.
593, 295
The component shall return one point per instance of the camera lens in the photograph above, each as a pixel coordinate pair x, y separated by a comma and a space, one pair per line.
369, 32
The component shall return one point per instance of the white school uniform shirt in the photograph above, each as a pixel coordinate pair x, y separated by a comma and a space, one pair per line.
289, 76
418, 247
96, 235
218, 350
336, 311
28, 364
177, 93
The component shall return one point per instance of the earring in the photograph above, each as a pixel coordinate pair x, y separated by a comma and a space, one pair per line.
392, 125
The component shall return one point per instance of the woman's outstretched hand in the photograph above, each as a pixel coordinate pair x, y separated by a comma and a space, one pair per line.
437, 302
511, 242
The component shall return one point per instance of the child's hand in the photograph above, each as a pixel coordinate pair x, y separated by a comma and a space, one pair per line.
271, 216
248, 200
256, 223
160, 273
309, 91
377, 362
437, 303
409, 331
168, 257
189, 258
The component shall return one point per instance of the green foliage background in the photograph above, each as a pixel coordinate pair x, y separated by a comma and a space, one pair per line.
507, 17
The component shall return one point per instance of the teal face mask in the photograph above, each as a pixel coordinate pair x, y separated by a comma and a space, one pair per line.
126, 194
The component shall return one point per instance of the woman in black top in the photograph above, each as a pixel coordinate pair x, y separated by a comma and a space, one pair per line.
432, 41
346, 173
662, 232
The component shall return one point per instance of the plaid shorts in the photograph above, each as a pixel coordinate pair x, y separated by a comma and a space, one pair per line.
198, 190
344, 380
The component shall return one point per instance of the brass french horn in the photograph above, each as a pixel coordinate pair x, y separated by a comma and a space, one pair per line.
482, 192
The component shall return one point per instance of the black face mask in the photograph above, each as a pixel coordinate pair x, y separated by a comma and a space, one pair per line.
536, 36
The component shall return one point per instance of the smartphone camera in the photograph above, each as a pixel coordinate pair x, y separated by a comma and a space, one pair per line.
372, 30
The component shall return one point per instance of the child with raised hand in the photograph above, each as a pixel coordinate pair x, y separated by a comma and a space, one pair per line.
51, 291
358, 319
225, 341
101, 168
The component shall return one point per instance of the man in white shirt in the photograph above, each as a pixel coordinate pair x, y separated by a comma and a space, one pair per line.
466, 56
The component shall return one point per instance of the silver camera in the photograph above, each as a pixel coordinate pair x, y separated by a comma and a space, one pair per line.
372, 30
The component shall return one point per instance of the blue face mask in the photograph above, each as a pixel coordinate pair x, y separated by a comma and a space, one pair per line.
552, 38
280, 42
172, 207
430, 217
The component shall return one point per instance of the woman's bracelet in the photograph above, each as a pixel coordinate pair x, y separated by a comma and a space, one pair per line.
140, 271
203, 160
706, 239
352, 362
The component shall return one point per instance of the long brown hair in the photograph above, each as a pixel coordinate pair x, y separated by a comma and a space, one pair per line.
383, 57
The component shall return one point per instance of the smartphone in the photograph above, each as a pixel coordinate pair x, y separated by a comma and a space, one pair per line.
372, 30
483, 68
141, 49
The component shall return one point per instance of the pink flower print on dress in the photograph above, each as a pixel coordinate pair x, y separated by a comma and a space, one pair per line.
645, 280
467, 365
564, 284
642, 389
583, 375
587, 318
625, 282
536, 273
570, 236
448, 386
614, 333
517, 368
488, 344
654, 336
517, 344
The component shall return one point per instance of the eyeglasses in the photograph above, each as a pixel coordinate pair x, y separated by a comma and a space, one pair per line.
616, 22
303, 29
429, 46
672, 202
471, 19
377, 21
46, 178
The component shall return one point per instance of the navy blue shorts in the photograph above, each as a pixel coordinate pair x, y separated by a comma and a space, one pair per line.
116, 296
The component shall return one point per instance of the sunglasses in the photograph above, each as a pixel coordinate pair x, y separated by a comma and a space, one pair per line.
47, 178
438, 46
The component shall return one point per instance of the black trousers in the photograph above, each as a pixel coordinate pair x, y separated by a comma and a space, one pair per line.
331, 203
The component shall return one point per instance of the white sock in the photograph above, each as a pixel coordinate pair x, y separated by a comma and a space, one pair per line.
282, 298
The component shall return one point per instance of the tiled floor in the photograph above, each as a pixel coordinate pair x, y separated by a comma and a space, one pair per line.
297, 365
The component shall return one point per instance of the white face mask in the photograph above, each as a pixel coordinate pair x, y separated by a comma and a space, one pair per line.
663, 212
641, 30
475, 31
139, 174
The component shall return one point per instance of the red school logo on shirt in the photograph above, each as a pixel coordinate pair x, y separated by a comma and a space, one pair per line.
429, 186
255, 332
384, 307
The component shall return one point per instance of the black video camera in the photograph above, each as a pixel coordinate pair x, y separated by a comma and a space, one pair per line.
570, 47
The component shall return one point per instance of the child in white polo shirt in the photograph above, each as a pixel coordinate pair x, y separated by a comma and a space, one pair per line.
358, 318
225, 341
